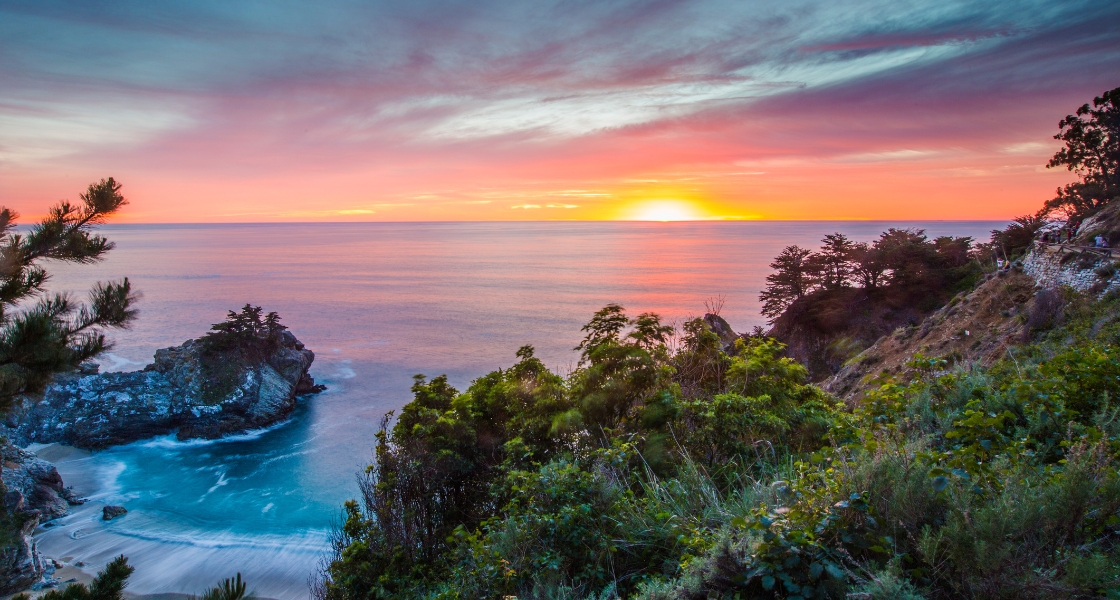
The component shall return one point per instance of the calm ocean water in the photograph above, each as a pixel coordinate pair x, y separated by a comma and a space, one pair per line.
377, 303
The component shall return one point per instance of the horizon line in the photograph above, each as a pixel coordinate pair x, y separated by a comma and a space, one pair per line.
881, 220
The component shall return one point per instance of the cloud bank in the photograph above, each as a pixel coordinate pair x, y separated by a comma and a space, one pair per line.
476, 110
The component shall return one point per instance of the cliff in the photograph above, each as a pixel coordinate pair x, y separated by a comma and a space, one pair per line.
32, 493
190, 389
826, 328
1005, 310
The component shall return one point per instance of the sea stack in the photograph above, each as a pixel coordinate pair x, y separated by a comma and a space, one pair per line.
191, 389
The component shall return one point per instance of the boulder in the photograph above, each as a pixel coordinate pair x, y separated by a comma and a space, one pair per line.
722, 328
190, 389
111, 512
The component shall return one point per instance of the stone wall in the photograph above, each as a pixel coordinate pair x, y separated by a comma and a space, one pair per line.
1045, 264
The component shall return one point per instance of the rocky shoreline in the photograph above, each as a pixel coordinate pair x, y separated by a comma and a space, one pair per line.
33, 494
189, 390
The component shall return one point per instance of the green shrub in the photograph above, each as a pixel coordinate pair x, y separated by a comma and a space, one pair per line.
712, 472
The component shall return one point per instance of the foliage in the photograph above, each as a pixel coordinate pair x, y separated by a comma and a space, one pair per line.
108, 585
42, 334
836, 260
767, 402
245, 331
678, 467
674, 465
854, 293
228, 589
243, 337
1092, 151
1012, 241
901, 262
793, 278
110, 582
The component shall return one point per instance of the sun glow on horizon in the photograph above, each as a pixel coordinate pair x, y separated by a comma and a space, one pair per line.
664, 211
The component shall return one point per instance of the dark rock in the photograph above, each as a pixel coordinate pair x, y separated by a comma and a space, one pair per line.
185, 389
189, 388
32, 493
722, 328
33, 484
89, 368
111, 512
20, 563
307, 385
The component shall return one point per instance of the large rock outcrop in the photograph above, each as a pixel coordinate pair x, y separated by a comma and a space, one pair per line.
1078, 263
189, 389
32, 493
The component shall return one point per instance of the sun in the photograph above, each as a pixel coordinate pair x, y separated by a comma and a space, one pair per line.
664, 210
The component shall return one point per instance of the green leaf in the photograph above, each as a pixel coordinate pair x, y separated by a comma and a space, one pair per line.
815, 570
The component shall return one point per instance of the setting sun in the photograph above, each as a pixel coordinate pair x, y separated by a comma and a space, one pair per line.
664, 210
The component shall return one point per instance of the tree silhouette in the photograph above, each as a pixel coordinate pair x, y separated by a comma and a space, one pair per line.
868, 265
245, 330
1092, 151
793, 278
834, 261
55, 333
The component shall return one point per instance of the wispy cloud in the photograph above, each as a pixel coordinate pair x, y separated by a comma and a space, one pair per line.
489, 104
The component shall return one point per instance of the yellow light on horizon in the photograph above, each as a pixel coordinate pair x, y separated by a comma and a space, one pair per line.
664, 211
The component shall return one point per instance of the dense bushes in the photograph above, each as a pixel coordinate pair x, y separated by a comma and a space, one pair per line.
675, 467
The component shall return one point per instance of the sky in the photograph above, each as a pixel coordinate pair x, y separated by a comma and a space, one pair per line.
482, 110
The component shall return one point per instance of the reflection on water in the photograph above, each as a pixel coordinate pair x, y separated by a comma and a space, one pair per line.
377, 303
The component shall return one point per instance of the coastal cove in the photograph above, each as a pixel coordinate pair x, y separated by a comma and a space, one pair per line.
377, 303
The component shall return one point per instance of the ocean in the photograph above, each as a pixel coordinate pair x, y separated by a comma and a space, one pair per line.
378, 303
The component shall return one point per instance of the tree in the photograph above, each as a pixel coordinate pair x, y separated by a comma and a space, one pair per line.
245, 330
793, 278
56, 333
952, 251
620, 372
834, 261
1016, 237
1092, 151
868, 265
227, 589
108, 585
605, 327
907, 254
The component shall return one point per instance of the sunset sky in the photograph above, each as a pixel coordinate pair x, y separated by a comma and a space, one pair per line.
480, 110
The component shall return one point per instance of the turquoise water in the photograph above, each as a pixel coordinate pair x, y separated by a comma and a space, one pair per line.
377, 303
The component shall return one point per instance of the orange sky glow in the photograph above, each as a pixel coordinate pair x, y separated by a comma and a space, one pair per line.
695, 110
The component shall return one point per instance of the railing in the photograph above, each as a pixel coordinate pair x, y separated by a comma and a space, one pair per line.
1064, 247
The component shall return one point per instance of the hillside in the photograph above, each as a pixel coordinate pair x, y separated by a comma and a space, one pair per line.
1008, 308
977, 327
827, 328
